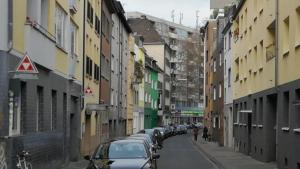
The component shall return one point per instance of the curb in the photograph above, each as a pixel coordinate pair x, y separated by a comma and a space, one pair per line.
210, 157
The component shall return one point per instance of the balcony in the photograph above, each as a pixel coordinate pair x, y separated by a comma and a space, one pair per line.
167, 86
37, 39
73, 63
72, 6
270, 52
173, 35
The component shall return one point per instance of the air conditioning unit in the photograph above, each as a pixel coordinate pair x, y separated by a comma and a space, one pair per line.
173, 106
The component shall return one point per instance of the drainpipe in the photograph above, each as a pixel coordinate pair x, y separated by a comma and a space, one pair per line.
276, 68
83, 54
276, 42
10, 26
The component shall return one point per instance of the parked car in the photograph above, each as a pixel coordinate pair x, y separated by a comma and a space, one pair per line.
162, 131
154, 146
131, 154
181, 129
155, 136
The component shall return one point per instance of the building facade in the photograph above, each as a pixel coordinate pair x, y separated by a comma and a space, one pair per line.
139, 85
130, 85
94, 116
255, 96
228, 80
186, 93
161, 52
210, 35
119, 68
151, 93
288, 84
50, 132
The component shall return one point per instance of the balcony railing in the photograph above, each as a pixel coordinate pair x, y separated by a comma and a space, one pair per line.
270, 52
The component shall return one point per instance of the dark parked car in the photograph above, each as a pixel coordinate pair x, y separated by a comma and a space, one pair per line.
120, 154
155, 136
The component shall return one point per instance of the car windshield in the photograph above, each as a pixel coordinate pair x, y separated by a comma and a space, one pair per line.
149, 131
127, 150
147, 137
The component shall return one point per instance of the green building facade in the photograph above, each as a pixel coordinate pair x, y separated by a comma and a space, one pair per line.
151, 93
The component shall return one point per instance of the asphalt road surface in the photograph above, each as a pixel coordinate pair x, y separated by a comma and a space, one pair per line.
179, 152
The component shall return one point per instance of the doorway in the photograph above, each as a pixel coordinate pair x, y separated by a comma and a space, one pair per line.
74, 140
249, 128
271, 126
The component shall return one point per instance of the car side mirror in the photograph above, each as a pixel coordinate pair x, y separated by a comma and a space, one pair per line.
87, 157
156, 156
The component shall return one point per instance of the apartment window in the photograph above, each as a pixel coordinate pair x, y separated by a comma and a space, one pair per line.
220, 90
215, 65
89, 66
146, 97
286, 33
39, 108
297, 108
286, 109
112, 64
298, 26
260, 111
215, 93
225, 39
97, 24
229, 40
112, 97
53, 110
60, 24
73, 41
235, 114
229, 77
96, 72
206, 101
206, 56
14, 119
254, 111
90, 13
37, 10
220, 59
23, 107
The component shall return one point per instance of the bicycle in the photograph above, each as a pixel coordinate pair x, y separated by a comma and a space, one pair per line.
22, 163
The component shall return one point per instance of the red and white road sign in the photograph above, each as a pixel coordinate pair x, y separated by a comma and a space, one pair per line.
88, 90
26, 66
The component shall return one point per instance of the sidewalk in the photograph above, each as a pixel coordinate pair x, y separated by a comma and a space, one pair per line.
226, 158
81, 164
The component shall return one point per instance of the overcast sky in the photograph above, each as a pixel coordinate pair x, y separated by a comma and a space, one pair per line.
163, 9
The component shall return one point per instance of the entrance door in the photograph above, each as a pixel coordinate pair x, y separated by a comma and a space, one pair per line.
74, 141
249, 124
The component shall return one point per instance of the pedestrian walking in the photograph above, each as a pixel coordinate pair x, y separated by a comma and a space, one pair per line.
205, 131
195, 132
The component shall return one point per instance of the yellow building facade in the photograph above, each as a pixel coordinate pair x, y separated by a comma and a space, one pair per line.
90, 117
130, 89
266, 86
253, 39
48, 114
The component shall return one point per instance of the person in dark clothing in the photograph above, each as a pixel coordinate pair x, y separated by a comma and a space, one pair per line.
195, 132
205, 131
158, 138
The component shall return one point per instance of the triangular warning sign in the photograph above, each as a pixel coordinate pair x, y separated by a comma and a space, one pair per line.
88, 90
26, 66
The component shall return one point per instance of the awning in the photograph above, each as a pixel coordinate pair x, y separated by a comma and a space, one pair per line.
245, 111
90, 107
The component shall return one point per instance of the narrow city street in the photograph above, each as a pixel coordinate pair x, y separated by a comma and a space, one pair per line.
179, 152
